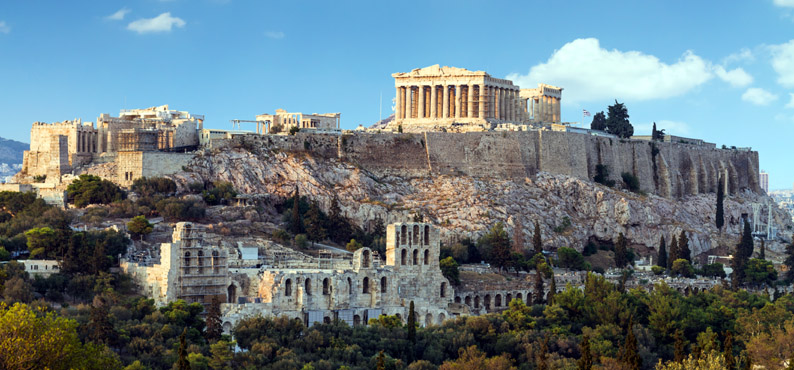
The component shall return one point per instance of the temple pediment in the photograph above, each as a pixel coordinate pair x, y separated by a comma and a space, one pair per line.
438, 71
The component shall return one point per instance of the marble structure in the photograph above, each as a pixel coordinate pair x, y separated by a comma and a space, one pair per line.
288, 120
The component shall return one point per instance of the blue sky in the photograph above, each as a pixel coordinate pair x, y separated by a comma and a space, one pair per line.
718, 70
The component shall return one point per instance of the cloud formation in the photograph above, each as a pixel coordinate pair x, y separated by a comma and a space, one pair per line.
785, 3
4, 28
589, 72
758, 96
737, 77
161, 23
276, 35
783, 62
119, 15
791, 101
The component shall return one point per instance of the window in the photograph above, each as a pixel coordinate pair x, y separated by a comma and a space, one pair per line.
443, 290
326, 286
416, 234
308, 286
403, 233
365, 288
365, 259
288, 288
383, 285
403, 256
427, 234
427, 257
416, 257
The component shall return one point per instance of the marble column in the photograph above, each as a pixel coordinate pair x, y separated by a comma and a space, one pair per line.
445, 106
398, 103
433, 101
502, 110
408, 102
511, 95
458, 89
420, 113
470, 98
481, 98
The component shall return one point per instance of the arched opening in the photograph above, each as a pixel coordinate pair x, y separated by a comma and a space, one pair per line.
427, 235
356, 320
428, 319
416, 234
441, 318
403, 256
200, 262
457, 299
498, 300
403, 234
508, 299
216, 261
326, 286
187, 259
231, 294
519, 297
477, 302
416, 257
307, 285
528, 300
227, 328
487, 302
427, 257
383, 285
365, 288
467, 300
288, 288
365, 259
326, 320
349, 286
443, 289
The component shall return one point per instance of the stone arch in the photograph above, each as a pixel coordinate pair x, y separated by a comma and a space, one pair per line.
187, 259
231, 294
497, 302
403, 233
476, 301
365, 287
307, 285
508, 299
403, 256
416, 234
349, 286
519, 297
326, 286
528, 300
326, 320
441, 318
428, 319
200, 262
443, 289
427, 257
288, 287
227, 327
487, 302
457, 299
415, 257
383, 285
467, 300
427, 234
365, 257
356, 320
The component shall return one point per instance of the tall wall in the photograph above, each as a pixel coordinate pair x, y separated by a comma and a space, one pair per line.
666, 169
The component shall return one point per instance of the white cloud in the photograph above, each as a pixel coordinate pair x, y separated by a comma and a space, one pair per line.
4, 28
119, 15
737, 77
785, 3
758, 96
589, 72
275, 35
161, 23
669, 127
783, 63
791, 101
744, 55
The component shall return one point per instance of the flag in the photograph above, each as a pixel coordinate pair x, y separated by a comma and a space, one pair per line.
585, 113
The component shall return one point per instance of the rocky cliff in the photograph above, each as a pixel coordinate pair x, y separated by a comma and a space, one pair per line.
464, 205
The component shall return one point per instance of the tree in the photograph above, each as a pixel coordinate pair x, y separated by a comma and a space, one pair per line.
449, 268
222, 355
381, 362
537, 243
662, 260
220, 192
497, 243
760, 272
353, 245
586, 361
744, 250
599, 122
680, 347
570, 258
296, 222
657, 135
539, 293
314, 223
720, 214
139, 226
710, 361
629, 354
730, 362
682, 267
654, 132
602, 175
100, 261
411, 323
790, 262
552, 290
182, 362
621, 252
101, 329
42, 242
672, 255
715, 270
618, 121
214, 329
762, 252
90, 189
683, 247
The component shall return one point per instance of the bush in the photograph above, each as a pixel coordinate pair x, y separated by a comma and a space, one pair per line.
148, 187
631, 181
301, 241
657, 270
180, 210
590, 249
353, 245
276, 128
683, 267
90, 189
449, 267
294, 130
602, 175
221, 192
566, 223
570, 258
713, 270
281, 235
139, 226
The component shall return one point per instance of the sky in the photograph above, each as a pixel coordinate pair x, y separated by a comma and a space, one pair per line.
722, 71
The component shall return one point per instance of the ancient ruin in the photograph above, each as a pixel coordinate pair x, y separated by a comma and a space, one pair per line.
435, 98
323, 122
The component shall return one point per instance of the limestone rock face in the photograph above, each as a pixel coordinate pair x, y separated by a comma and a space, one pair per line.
465, 206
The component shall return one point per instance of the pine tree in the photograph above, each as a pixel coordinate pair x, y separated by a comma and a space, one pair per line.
683, 247
790, 262
720, 216
629, 355
671, 255
586, 361
730, 362
101, 329
654, 133
538, 286
296, 223
213, 328
536, 239
618, 121
599, 122
662, 260
314, 224
762, 252
680, 347
621, 252
182, 362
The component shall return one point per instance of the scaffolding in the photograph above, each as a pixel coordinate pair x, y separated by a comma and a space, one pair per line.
762, 228
202, 270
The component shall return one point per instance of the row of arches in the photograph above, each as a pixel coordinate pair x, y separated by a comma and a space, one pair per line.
418, 236
366, 286
415, 254
214, 263
496, 301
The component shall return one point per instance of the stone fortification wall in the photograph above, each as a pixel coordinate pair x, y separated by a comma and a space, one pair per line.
666, 169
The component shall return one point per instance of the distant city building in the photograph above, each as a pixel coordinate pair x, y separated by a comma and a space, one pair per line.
763, 181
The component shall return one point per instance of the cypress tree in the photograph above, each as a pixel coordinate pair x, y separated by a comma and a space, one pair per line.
621, 253
411, 324
629, 355
538, 287
672, 253
683, 247
662, 260
744, 250
536, 241
296, 223
586, 361
720, 219
762, 253
213, 328
730, 362
654, 133
182, 362
746, 245
790, 262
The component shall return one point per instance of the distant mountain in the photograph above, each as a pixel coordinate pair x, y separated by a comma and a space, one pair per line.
11, 151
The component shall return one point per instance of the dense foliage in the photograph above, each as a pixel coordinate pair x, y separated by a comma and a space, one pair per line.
90, 189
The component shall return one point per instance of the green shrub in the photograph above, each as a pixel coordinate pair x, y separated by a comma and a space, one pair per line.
570, 258
602, 175
683, 267
220, 192
294, 130
148, 187
657, 270
90, 189
631, 181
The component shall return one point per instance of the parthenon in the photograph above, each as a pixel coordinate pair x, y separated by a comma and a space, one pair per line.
437, 97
